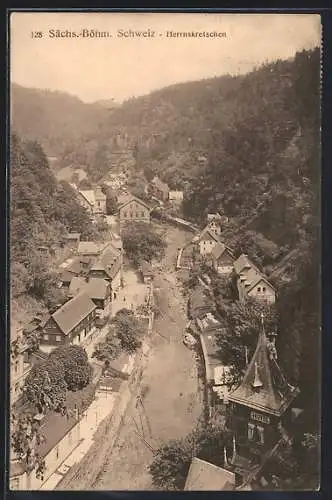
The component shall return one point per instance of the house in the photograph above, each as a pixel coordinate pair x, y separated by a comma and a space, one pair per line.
159, 188
98, 289
94, 201
260, 407
251, 282
147, 272
175, 196
19, 363
132, 209
72, 323
109, 266
75, 266
222, 258
204, 476
206, 241
63, 435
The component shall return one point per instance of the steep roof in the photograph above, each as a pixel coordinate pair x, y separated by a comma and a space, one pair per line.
76, 285
242, 263
73, 312
249, 274
89, 196
219, 249
207, 234
264, 387
131, 198
204, 476
97, 288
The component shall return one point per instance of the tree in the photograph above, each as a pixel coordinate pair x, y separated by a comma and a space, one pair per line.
74, 359
54, 297
128, 330
242, 324
21, 279
107, 350
45, 386
25, 437
171, 463
142, 243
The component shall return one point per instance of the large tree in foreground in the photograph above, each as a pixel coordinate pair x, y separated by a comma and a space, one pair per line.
142, 242
171, 463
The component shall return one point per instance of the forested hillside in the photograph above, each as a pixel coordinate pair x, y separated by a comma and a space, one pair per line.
42, 211
59, 119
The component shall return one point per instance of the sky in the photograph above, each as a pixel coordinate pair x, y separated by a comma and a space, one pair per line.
120, 68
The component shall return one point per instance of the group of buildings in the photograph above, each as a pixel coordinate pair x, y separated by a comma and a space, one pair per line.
260, 407
162, 192
209, 247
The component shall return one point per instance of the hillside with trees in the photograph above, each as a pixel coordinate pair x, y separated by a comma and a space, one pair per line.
59, 119
42, 211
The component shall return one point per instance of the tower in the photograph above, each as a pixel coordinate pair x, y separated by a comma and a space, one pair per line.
260, 405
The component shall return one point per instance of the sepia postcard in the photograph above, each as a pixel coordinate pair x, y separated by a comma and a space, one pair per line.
164, 251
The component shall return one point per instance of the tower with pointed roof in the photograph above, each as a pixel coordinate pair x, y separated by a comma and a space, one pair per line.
261, 404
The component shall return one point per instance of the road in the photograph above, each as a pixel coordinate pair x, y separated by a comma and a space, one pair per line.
171, 401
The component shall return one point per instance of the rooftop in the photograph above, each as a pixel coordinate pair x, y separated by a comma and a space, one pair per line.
73, 312
264, 386
89, 196
88, 247
204, 476
220, 248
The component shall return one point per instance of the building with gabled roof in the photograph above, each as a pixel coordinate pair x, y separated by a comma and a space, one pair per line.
260, 407
98, 289
251, 282
222, 258
132, 209
70, 324
206, 240
93, 200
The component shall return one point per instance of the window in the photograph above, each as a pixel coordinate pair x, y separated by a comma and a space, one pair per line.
251, 428
45, 337
264, 289
260, 431
16, 366
124, 214
258, 289
57, 452
131, 215
136, 215
58, 338
142, 214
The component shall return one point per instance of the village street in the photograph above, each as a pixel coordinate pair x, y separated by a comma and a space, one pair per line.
171, 400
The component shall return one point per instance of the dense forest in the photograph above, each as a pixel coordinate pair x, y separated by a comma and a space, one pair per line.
42, 211
59, 119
